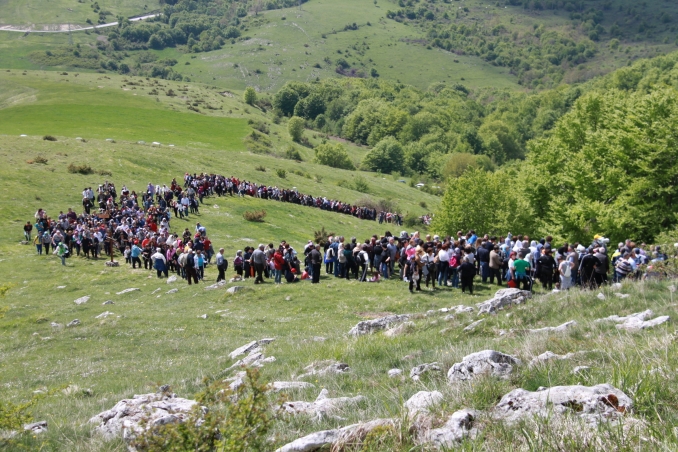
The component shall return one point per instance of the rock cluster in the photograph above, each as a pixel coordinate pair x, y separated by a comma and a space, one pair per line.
555, 329
503, 298
637, 321
322, 407
480, 363
131, 416
324, 368
372, 326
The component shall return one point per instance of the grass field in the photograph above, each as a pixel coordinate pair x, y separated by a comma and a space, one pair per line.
28, 12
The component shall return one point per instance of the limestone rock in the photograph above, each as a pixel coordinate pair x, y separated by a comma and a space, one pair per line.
107, 302
616, 285
393, 373
458, 427
422, 401
312, 442
216, 286
637, 321
112, 264
421, 369
621, 295
473, 325
593, 404
278, 386
235, 289
485, 362
82, 300
351, 435
372, 326
555, 329
103, 315
324, 368
399, 330
127, 417
236, 279
322, 406
600, 296
74, 322
172, 279
580, 369
636, 325
549, 356
132, 289
56, 325
503, 298
204, 316
249, 347
171, 291
36, 427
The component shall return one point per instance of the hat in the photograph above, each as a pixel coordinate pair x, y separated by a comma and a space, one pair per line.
436, 237
581, 248
158, 250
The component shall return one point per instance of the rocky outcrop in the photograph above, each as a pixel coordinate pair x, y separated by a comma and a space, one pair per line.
421, 402
131, 416
322, 406
421, 369
555, 329
503, 298
486, 362
324, 368
247, 348
592, 404
458, 427
637, 321
351, 435
372, 326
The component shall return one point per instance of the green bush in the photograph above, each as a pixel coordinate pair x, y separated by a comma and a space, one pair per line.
296, 128
281, 173
80, 169
360, 184
256, 216
292, 153
49, 138
333, 155
250, 95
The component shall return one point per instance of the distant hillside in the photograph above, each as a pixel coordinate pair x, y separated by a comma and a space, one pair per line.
536, 44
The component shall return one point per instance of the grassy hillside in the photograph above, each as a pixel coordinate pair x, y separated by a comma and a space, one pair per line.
30, 12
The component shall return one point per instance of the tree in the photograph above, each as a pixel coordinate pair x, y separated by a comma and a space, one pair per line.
459, 163
285, 101
486, 202
387, 156
609, 167
333, 155
250, 95
296, 128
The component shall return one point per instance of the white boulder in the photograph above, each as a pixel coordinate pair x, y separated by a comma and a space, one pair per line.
485, 362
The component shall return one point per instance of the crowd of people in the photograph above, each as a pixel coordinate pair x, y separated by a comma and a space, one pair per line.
138, 228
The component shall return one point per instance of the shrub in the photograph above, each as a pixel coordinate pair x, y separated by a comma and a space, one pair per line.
292, 153
260, 168
49, 138
80, 169
250, 95
296, 128
321, 235
40, 159
333, 155
256, 216
281, 173
104, 173
235, 421
318, 178
360, 184
258, 143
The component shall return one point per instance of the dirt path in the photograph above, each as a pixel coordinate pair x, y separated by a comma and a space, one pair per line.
66, 28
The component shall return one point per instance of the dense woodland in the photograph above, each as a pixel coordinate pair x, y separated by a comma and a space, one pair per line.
573, 161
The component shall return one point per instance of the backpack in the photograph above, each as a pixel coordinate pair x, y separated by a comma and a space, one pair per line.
453, 261
237, 260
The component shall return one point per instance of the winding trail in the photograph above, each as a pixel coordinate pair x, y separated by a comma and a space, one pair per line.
68, 28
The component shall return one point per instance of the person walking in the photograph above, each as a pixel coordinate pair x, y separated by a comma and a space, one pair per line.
28, 228
258, 261
222, 265
135, 252
159, 263
37, 241
496, 263
278, 264
190, 268
316, 261
62, 252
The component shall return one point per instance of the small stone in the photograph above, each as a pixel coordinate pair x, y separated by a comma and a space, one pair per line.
112, 264
74, 322
236, 279
171, 279
555, 329
61, 287
448, 318
622, 295
601, 296
393, 373
155, 291
82, 300
580, 369
421, 369
288, 298
107, 302
204, 316
277, 386
133, 289
422, 401
56, 325
372, 326
235, 289
36, 427
399, 330
216, 285
473, 325
103, 315
171, 291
